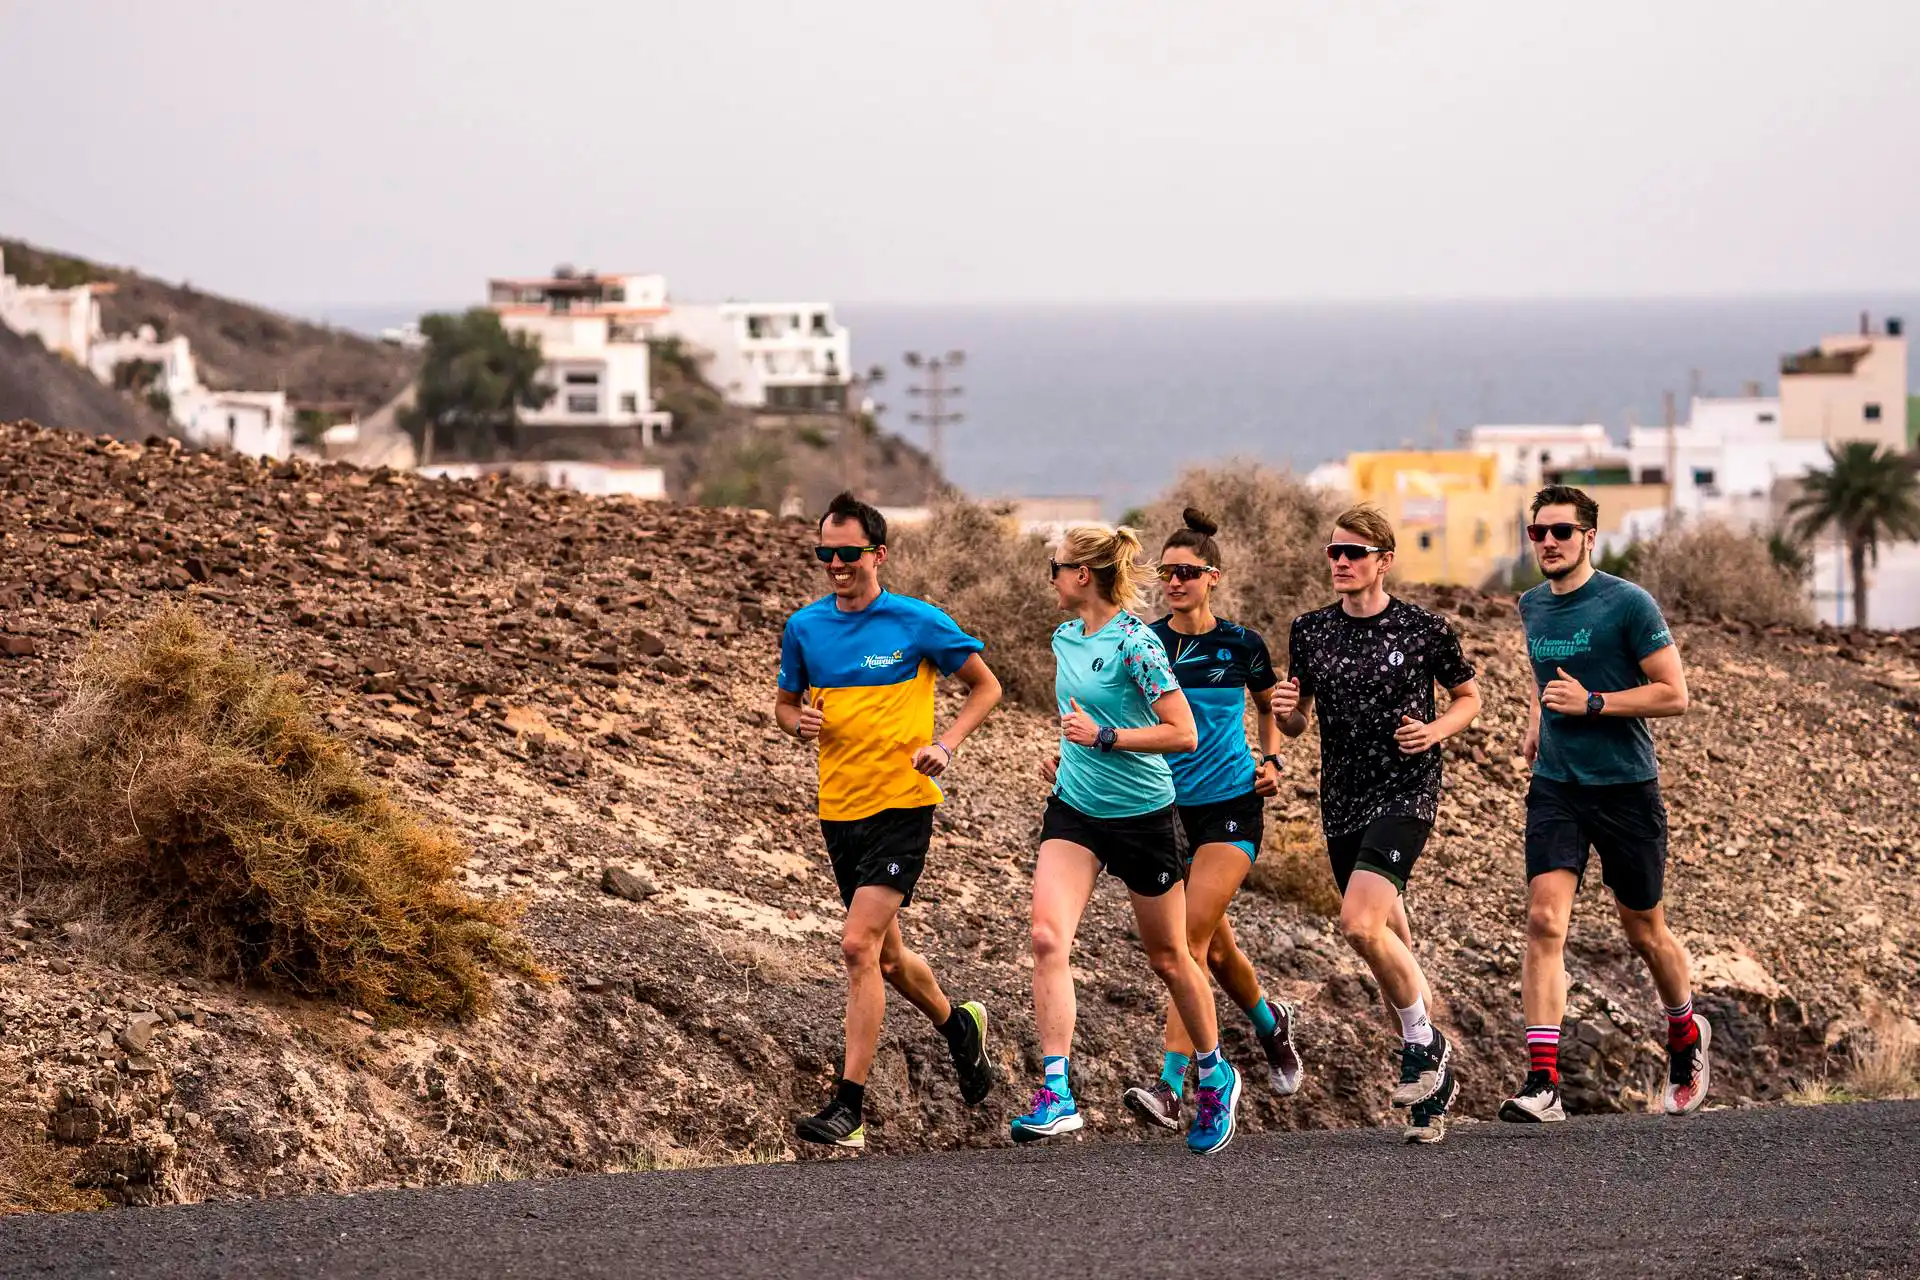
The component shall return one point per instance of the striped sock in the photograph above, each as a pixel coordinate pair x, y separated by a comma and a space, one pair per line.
1680, 1029
1543, 1051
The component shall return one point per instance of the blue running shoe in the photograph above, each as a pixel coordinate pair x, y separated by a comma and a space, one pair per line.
1051, 1115
1212, 1126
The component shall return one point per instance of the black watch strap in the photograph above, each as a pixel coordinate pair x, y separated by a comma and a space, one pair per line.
1272, 760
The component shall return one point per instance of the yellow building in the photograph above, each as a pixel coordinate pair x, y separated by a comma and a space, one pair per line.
1454, 519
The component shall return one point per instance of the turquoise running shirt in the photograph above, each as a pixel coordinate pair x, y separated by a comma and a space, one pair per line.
1216, 670
1116, 675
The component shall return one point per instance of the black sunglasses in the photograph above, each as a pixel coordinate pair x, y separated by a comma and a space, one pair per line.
846, 555
1561, 531
1350, 550
1184, 572
1055, 566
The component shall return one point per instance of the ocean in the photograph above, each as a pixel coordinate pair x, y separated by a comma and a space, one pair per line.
1114, 400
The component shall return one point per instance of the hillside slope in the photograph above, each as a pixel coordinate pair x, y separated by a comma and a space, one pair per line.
239, 346
575, 685
38, 385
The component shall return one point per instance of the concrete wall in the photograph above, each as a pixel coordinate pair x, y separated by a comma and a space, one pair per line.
1834, 406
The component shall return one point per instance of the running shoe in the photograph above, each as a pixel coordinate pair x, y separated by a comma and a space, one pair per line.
1155, 1103
1538, 1102
1213, 1109
1427, 1120
1051, 1116
1423, 1069
1284, 1067
838, 1125
1687, 1073
970, 1060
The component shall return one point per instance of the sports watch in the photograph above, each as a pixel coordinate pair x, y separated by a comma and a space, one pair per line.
1107, 736
1272, 760
1596, 703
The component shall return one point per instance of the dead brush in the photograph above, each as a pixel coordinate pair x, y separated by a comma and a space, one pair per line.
1745, 584
1292, 867
186, 782
972, 560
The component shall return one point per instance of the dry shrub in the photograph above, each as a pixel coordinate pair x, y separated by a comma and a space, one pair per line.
35, 1175
187, 782
973, 561
1293, 867
1708, 570
1273, 534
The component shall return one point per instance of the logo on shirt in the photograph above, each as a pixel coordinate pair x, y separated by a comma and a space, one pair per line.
1545, 650
879, 661
1224, 655
1099, 663
1396, 658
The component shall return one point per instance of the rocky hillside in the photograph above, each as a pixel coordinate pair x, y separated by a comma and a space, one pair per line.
239, 346
580, 689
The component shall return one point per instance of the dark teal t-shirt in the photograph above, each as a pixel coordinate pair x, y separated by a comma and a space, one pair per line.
1600, 634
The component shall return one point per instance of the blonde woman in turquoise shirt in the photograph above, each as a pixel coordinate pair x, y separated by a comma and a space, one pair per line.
1121, 714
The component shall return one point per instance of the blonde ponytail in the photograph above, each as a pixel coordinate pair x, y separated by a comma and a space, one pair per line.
1114, 558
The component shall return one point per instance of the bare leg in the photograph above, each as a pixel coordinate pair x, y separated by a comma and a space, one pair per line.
1062, 882
912, 977
1543, 971
1212, 880
1647, 933
1163, 935
1366, 914
862, 937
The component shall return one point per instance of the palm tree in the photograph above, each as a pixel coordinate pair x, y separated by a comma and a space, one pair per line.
1867, 496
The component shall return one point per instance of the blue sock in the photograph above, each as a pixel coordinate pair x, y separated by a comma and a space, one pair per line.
1263, 1020
1174, 1072
1213, 1068
1055, 1068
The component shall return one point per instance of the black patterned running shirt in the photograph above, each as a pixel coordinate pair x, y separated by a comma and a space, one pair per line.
1363, 674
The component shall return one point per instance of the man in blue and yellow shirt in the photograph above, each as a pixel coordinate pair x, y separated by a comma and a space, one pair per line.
857, 671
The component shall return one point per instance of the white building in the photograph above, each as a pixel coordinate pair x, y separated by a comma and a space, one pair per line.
256, 423
775, 357
1526, 450
176, 375
1852, 386
593, 332
66, 321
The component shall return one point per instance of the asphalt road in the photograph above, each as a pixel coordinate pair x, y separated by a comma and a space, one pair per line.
1765, 1192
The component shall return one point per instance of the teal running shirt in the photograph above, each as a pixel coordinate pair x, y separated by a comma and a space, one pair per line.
1116, 675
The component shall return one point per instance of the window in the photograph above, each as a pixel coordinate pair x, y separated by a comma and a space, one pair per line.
583, 378
617, 294
583, 404
629, 402
1653, 475
1546, 456
1703, 476
1763, 417
1873, 413
1426, 542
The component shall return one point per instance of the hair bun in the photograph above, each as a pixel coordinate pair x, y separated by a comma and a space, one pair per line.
1199, 521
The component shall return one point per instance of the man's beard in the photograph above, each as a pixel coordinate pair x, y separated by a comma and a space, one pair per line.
1554, 575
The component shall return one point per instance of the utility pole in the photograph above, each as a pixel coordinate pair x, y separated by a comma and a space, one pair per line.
1673, 461
937, 389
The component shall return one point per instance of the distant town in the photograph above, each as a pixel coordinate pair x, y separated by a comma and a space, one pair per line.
1737, 460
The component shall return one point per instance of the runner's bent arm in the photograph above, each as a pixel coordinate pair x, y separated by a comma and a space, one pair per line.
796, 718
1530, 745
1174, 734
1664, 694
983, 693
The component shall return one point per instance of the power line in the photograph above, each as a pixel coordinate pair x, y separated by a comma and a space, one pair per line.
936, 388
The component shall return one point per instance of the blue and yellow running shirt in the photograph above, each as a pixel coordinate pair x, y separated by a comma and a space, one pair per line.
873, 671
1116, 675
1216, 670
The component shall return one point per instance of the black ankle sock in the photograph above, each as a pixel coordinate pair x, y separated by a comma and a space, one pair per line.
958, 1027
851, 1096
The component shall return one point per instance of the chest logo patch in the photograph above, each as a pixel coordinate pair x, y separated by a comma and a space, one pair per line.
878, 661
1099, 663
1396, 658
1224, 655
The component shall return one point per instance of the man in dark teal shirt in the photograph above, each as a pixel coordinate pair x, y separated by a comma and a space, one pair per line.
1604, 663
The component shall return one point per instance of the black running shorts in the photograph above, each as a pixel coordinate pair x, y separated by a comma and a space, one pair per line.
887, 849
1240, 821
1144, 851
1626, 822
1387, 846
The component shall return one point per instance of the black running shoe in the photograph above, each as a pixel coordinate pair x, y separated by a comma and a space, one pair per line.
969, 1052
1284, 1068
837, 1125
1423, 1069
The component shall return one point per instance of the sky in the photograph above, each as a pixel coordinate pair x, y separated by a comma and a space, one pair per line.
372, 151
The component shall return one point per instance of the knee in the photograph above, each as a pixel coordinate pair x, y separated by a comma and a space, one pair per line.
1643, 935
891, 962
1544, 925
1200, 944
1167, 961
1049, 944
858, 951
1219, 953
1360, 928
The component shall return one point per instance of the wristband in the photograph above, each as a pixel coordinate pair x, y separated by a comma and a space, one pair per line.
1272, 760
944, 747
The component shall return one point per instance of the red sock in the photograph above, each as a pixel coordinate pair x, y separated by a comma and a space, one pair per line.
1543, 1051
1681, 1030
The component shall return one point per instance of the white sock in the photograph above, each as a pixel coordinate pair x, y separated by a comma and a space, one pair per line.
1414, 1027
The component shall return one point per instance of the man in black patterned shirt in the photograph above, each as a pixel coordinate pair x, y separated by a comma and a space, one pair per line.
1369, 665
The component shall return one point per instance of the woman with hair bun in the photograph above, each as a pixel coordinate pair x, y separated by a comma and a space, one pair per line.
1220, 797
1121, 715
